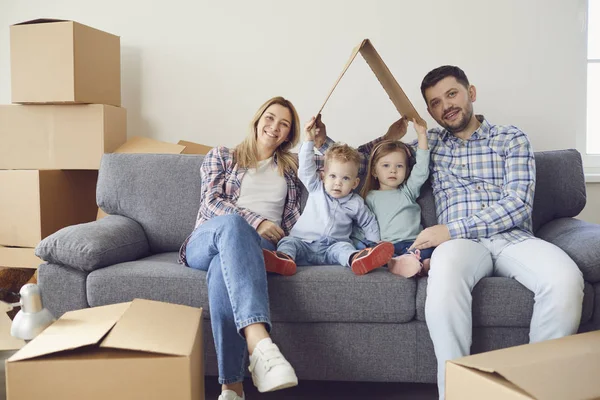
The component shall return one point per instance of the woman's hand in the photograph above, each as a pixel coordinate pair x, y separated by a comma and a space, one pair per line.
270, 231
397, 130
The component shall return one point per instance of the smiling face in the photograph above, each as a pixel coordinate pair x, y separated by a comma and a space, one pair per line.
451, 104
390, 170
273, 127
340, 178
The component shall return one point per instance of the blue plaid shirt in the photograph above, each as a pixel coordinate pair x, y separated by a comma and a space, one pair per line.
483, 186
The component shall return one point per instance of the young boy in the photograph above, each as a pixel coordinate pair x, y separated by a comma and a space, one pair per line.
322, 234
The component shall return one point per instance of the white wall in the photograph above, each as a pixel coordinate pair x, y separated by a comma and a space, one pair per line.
197, 69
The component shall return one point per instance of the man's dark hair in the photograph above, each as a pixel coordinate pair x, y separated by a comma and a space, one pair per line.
436, 75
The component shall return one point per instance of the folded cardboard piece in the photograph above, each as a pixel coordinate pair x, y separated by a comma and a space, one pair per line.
138, 350
59, 137
19, 257
58, 61
35, 204
385, 77
566, 368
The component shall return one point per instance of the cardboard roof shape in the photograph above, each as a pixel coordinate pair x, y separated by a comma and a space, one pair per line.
565, 368
141, 325
385, 77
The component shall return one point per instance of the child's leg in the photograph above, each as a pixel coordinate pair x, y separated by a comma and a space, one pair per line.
362, 261
282, 261
401, 247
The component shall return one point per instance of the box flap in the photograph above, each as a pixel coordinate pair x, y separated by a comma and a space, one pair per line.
384, 76
156, 327
73, 330
194, 148
41, 21
138, 144
556, 369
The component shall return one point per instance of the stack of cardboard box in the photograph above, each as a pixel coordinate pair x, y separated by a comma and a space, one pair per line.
66, 95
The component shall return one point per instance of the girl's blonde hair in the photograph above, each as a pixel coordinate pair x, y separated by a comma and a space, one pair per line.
383, 149
246, 152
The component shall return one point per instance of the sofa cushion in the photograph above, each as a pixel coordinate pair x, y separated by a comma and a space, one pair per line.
314, 294
86, 247
159, 191
580, 240
503, 302
560, 186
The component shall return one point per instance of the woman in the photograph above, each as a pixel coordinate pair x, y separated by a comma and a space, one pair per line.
249, 201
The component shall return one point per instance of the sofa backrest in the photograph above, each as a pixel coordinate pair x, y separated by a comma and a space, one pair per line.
162, 192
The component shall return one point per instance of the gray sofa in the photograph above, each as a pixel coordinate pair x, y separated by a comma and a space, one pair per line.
331, 324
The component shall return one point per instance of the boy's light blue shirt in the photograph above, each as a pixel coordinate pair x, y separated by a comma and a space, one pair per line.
325, 216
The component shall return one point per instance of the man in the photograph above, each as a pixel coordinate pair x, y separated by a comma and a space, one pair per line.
483, 179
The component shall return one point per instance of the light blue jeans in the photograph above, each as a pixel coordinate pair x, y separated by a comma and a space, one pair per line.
229, 249
325, 251
456, 267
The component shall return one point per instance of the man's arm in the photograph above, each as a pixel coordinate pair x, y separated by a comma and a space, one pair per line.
516, 204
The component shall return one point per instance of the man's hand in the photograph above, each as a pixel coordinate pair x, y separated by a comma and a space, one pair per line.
270, 231
431, 237
320, 132
397, 130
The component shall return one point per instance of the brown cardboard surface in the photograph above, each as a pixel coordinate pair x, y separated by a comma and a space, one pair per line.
55, 61
19, 257
385, 77
92, 371
59, 137
35, 204
194, 148
556, 369
139, 144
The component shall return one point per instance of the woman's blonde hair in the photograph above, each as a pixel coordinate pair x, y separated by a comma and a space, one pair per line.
383, 149
246, 152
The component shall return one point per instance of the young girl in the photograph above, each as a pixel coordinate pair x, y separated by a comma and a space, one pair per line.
390, 191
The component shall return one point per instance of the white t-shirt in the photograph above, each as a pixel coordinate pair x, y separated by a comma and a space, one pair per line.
263, 191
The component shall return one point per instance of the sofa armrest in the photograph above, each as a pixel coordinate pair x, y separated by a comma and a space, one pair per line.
580, 240
111, 240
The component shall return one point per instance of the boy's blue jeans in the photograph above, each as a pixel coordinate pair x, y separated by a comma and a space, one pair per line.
230, 250
325, 251
399, 248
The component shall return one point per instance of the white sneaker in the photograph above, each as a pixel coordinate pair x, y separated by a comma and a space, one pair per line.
270, 370
231, 395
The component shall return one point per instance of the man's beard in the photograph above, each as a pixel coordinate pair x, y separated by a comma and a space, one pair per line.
461, 124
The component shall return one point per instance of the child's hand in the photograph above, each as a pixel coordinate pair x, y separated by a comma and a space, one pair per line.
310, 129
421, 129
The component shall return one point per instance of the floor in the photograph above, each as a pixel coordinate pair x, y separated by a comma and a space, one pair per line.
314, 390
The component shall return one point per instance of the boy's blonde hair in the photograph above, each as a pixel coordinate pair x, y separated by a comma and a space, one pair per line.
246, 155
343, 153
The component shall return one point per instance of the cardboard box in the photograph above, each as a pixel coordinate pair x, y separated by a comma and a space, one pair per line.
139, 350
7, 341
19, 257
566, 368
59, 137
35, 204
385, 77
57, 61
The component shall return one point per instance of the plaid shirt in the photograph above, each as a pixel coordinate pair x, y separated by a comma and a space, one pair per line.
483, 186
220, 190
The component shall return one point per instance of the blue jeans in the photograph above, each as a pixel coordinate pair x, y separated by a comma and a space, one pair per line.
325, 251
229, 249
399, 248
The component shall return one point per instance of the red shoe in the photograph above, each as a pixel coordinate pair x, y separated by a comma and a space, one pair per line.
279, 263
370, 258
